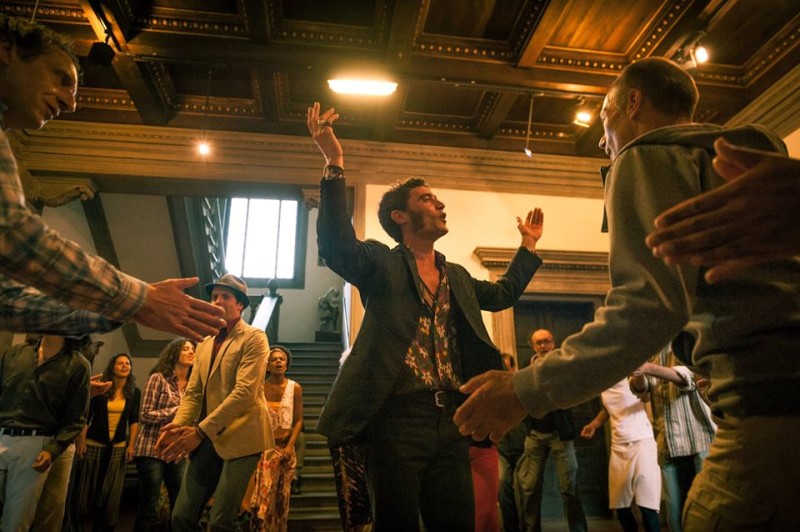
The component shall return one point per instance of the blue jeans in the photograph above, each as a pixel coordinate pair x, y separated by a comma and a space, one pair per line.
151, 472
678, 474
209, 474
529, 472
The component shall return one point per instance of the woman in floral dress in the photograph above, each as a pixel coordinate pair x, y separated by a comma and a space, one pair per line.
273, 477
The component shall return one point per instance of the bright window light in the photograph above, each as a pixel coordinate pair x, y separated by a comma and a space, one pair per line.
362, 87
261, 238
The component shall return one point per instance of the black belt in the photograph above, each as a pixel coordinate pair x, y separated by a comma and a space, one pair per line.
444, 399
6, 431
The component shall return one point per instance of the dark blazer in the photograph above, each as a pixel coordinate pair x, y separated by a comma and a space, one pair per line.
387, 281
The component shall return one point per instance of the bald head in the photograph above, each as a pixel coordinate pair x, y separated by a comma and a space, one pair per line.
542, 342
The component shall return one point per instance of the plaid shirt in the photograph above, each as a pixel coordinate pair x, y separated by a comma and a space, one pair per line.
63, 276
160, 403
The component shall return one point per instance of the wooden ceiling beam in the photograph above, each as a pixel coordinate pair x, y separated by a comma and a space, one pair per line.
150, 89
498, 114
406, 23
542, 33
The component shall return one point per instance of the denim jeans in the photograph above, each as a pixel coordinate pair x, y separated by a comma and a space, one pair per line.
678, 474
209, 474
530, 468
151, 473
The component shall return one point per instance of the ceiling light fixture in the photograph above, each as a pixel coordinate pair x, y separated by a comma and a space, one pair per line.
204, 147
362, 87
583, 119
527, 149
692, 53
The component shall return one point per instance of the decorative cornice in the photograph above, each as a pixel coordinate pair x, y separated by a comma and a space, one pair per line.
105, 99
180, 22
777, 108
563, 272
55, 192
113, 151
44, 11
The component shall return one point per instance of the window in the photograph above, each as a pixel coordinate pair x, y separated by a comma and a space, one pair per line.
265, 241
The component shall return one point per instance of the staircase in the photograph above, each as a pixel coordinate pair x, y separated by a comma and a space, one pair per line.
314, 366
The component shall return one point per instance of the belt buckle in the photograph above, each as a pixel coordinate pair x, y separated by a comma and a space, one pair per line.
440, 398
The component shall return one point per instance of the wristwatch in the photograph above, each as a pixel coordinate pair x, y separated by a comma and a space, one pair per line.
332, 172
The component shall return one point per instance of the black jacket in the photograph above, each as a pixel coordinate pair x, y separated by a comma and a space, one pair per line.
387, 280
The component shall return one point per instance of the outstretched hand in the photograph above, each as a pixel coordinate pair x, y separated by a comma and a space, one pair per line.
492, 409
168, 308
747, 221
531, 229
320, 125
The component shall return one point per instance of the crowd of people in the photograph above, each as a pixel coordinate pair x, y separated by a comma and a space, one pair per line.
692, 265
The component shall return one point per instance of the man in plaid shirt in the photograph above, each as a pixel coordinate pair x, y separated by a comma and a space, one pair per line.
47, 283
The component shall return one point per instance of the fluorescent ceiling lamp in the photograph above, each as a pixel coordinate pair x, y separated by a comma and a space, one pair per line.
362, 87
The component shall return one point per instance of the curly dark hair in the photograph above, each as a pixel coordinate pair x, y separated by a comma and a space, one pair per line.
108, 375
396, 199
169, 357
32, 39
283, 349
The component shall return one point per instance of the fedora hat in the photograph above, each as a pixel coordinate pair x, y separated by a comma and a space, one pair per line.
235, 285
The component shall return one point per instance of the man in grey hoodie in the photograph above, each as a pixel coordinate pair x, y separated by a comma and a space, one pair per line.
744, 332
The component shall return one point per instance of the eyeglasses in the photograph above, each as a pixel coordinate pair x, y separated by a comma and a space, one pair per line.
543, 342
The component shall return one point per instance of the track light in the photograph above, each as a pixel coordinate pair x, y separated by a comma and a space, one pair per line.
692, 53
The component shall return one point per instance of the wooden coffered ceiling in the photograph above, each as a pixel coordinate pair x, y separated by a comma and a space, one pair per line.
466, 68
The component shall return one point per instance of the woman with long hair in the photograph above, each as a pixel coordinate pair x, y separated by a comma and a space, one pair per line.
162, 395
273, 477
106, 444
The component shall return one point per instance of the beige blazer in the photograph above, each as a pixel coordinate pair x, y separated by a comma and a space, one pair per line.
237, 422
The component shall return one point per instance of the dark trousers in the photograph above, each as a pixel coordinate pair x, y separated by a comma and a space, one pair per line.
151, 472
417, 465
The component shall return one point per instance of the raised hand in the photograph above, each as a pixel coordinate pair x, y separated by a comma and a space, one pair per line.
168, 308
320, 125
531, 229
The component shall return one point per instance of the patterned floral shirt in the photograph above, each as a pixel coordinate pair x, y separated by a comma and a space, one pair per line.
431, 362
63, 276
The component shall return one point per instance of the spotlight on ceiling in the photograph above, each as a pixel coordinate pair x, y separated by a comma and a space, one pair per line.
692, 53
203, 148
583, 119
362, 87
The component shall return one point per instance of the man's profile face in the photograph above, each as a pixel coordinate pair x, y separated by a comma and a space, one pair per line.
426, 213
616, 126
542, 342
226, 300
37, 90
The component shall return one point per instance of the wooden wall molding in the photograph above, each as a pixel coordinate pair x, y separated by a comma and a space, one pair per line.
106, 152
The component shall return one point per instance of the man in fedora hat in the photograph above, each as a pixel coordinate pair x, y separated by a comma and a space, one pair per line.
222, 420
